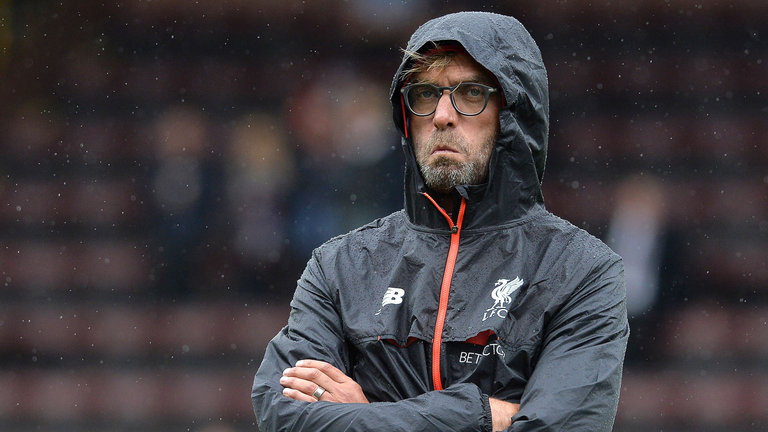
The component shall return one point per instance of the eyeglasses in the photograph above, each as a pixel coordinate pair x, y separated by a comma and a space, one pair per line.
468, 98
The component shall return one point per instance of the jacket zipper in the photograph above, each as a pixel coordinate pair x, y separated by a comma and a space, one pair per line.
445, 288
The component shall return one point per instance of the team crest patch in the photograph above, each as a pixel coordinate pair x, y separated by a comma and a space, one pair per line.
502, 296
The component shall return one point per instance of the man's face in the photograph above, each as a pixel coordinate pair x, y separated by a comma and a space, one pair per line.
451, 148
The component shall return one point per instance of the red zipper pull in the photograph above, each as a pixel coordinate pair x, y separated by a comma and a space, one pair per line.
454, 227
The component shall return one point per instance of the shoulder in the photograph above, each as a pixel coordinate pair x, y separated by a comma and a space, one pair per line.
575, 240
367, 236
574, 261
344, 254
587, 276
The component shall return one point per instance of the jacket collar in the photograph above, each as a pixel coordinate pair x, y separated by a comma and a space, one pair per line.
506, 197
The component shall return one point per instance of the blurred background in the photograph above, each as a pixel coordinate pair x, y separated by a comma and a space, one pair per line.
167, 166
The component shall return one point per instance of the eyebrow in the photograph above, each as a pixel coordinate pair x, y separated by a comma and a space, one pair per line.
480, 79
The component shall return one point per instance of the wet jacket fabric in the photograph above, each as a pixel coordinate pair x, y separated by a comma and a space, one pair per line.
433, 314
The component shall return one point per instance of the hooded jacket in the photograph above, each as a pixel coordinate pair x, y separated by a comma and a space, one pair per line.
432, 316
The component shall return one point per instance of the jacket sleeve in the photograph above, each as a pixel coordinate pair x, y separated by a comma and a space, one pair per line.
575, 383
314, 331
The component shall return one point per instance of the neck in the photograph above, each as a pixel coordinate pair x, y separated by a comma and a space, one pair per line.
446, 200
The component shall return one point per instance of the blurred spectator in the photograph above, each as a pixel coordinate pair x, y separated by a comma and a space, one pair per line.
639, 233
337, 122
635, 233
260, 172
183, 185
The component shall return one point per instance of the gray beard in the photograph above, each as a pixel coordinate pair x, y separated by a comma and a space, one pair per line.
445, 174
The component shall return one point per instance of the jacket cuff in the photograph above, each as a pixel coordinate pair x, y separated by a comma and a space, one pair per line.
487, 415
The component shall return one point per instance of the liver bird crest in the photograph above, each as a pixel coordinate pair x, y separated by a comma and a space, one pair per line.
502, 293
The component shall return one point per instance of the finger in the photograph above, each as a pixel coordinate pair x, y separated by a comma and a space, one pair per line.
301, 385
312, 375
307, 380
297, 395
326, 368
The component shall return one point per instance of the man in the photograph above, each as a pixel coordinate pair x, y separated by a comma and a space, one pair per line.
473, 309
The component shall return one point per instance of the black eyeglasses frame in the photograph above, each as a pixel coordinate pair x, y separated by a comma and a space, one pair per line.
451, 89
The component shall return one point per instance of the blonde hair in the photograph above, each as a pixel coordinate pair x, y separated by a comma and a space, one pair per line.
432, 59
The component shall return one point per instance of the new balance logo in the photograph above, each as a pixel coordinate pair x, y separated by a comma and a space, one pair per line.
393, 296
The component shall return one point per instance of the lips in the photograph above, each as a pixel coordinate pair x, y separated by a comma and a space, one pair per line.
445, 143
444, 150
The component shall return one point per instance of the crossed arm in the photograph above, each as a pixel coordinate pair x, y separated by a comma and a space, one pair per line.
579, 369
301, 381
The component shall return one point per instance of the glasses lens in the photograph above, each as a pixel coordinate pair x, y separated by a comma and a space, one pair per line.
470, 98
422, 98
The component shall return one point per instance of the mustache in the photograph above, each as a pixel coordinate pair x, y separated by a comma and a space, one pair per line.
448, 139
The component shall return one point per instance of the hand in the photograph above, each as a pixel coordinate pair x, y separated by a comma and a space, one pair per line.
301, 381
502, 412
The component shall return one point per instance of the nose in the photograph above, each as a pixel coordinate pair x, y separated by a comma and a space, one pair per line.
445, 114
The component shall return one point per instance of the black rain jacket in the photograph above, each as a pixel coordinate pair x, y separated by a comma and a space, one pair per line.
432, 316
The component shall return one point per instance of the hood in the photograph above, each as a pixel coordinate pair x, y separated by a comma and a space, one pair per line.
505, 48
